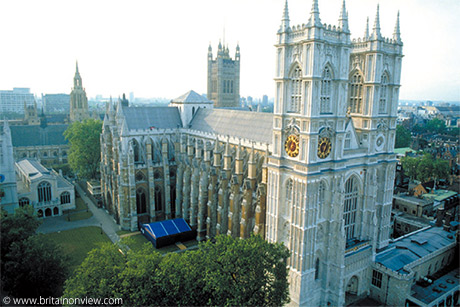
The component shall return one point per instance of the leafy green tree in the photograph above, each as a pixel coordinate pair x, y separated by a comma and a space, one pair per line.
31, 265
403, 137
425, 168
34, 267
440, 169
436, 126
410, 166
229, 271
97, 276
85, 147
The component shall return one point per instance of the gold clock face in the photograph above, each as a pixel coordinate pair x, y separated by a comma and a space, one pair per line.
292, 145
324, 147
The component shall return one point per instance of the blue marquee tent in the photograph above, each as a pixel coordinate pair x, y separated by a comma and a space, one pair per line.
168, 232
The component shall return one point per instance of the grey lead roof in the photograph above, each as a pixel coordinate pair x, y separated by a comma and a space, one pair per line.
254, 126
192, 97
414, 247
37, 136
32, 168
152, 117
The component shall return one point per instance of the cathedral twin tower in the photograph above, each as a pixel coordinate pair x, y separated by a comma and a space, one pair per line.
317, 174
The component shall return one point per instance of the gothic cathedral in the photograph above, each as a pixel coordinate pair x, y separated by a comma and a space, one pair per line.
317, 174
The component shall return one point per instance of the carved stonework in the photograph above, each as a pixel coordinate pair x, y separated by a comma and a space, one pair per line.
292, 126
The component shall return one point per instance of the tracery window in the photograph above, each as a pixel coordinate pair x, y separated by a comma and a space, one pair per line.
356, 93
383, 94
350, 207
44, 191
158, 199
321, 197
24, 201
296, 91
141, 201
347, 143
326, 89
65, 198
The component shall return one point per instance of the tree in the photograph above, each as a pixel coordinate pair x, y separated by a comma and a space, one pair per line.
229, 271
440, 169
403, 137
34, 267
425, 168
409, 166
85, 147
436, 126
31, 265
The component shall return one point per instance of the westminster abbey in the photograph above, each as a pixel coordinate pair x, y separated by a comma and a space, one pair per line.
317, 174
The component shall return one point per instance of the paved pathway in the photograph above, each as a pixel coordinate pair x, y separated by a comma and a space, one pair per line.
100, 218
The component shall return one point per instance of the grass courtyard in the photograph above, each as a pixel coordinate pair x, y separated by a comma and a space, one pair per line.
80, 212
76, 243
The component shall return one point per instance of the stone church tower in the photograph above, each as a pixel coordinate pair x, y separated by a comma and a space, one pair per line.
224, 77
330, 175
78, 100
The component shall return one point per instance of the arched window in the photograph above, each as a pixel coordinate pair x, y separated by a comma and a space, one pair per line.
356, 93
350, 207
55, 211
65, 198
321, 198
40, 213
172, 196
296, 91
24, 201
137, 152
289, 185
140, 176
317, 269
141, 201
48, 212
158, 199
326, 90
383, 94
44, 192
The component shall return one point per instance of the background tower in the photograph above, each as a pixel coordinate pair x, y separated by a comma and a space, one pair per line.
78, 100
224, 77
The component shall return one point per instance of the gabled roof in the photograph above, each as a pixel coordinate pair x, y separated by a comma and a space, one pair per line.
32, 168
254, 126
152, 117
191, 97
38, 136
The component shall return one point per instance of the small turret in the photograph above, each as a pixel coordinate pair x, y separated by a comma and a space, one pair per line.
314, 20
237, 52
209, 52
376, 35
343, 19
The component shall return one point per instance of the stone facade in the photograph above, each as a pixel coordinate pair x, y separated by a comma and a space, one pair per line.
8, 187
224, 77
317, 174
44, 189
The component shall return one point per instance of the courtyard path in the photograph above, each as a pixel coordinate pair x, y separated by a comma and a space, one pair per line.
100, 218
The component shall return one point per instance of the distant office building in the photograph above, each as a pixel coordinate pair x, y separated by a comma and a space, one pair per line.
78, 99
264, 100
56, 103
8, 188
13, 101
224, 77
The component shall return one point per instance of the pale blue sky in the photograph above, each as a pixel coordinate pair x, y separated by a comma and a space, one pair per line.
159, 48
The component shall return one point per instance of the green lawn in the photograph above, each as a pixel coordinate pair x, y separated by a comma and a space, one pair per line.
82, 215
76, 243
80, 212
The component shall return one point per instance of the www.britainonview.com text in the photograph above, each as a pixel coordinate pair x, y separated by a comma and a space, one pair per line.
64, 301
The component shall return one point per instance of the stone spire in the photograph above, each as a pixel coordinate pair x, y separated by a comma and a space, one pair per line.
397, 33
314, 15
77, 79
343, 18
366, 32
285, 19
376, 29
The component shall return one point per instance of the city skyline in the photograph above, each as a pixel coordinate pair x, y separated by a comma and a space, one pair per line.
160, 49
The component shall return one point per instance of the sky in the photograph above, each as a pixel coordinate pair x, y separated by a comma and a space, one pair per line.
159, 48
